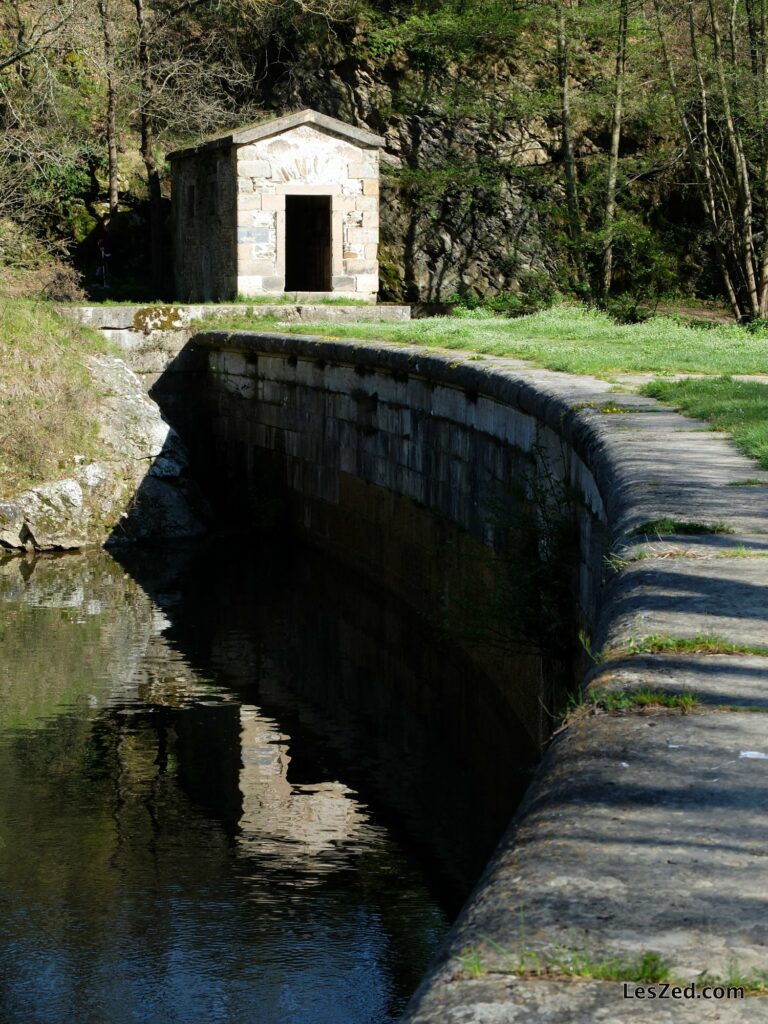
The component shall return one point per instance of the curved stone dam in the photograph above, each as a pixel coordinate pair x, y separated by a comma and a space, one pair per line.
452, 720
471, 511
552, 527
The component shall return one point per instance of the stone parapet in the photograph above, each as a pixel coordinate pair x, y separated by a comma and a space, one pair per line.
147, 319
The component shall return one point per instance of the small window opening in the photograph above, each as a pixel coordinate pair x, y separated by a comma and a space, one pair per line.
308, 243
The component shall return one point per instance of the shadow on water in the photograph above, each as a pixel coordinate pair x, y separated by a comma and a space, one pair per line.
235, 785
375, 693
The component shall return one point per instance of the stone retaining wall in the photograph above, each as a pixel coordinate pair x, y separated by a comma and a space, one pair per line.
644, 831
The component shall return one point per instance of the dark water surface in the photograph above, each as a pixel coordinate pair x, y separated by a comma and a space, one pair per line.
235, 788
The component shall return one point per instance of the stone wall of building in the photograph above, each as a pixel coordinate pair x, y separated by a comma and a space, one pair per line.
307, 161
204, 217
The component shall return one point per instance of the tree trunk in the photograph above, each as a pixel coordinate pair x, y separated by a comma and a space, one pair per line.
700, 161
760, 68
613, 158
147, 152
569, 160
109, 60
744, 235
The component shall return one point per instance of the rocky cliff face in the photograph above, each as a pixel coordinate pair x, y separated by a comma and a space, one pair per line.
138, 489
457, 215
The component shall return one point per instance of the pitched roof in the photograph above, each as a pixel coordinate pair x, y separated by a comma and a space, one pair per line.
277, 125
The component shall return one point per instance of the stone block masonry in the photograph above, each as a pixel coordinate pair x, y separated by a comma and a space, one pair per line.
287, 205
309, 162
645, 830
152, 338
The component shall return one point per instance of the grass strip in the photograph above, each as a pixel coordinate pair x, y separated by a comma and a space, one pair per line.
737, 406
673, 527
619, 700
647, 968
658, 643
574, 338
569, 963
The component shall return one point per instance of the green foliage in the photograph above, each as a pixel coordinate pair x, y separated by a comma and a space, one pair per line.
661, 643
472, 962
463, 186
536, 291
751, 982
628, 700
566, 962
434, 35
671, 527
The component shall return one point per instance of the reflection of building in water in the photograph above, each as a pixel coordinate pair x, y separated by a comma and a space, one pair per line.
301, 820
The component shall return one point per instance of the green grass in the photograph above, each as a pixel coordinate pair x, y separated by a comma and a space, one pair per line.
574, 338
754, 982
658, 643
47, 398
740, 407
570, 963
673, 527
648, 968
616, 700
741, 552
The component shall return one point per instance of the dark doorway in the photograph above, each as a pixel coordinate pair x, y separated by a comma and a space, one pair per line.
307, 243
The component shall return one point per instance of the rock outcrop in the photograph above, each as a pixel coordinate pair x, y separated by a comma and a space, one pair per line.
456, 215
138, 488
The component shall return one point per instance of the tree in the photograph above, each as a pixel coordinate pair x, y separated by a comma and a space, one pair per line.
566, 128
44, 100
717, 78
613, 157
111, 84
27, 29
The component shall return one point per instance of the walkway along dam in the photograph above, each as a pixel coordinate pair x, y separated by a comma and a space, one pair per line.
522, 510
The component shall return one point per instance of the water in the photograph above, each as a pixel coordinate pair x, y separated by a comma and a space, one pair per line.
234, 787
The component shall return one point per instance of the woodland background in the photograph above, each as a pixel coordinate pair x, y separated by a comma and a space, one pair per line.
611, 150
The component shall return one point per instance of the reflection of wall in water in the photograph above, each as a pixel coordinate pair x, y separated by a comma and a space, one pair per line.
354, 692
415, 716
306, 819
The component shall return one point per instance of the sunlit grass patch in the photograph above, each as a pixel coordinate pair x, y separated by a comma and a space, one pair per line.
573, 338
628, 700
648, 967
660, 643
740, 407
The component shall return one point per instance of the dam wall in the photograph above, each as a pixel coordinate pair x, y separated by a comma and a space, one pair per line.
639, 853
456, 501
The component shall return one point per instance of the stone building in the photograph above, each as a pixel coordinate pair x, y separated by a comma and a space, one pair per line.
290, 205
